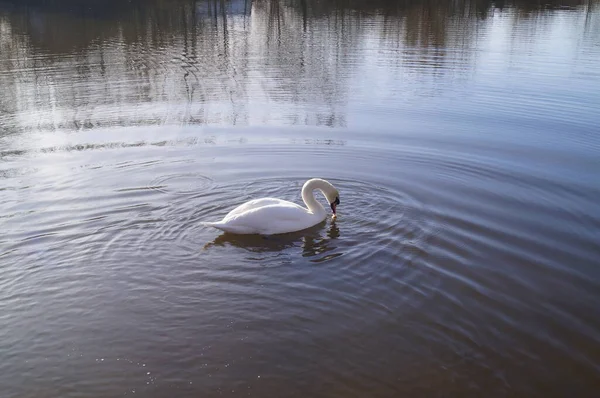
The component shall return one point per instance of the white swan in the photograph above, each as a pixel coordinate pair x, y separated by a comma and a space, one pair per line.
269, 216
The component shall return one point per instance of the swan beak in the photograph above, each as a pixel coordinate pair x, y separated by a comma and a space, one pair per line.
334, 204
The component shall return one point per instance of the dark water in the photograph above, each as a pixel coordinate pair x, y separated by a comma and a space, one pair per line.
463, 137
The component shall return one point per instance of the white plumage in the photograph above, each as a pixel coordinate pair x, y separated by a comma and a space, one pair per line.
269, 216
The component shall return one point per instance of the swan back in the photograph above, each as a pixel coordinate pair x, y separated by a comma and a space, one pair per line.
274, 218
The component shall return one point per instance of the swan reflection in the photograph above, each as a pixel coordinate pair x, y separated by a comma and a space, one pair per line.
318, 245
318, 241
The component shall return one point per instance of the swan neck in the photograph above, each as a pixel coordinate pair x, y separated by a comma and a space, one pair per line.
308, 195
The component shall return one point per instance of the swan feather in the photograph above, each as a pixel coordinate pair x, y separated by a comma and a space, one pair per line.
269, 216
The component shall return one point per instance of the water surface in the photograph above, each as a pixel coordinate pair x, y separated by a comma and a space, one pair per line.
463, 137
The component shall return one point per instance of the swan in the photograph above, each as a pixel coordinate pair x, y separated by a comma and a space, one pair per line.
270, 216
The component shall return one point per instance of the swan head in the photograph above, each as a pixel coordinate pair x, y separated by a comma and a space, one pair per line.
333, 197
334, 203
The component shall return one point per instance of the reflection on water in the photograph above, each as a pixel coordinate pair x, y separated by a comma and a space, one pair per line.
72, 67
314, 243
462, 135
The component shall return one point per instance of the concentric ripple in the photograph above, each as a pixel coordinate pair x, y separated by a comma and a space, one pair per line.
464, 261
183, 184
379, 234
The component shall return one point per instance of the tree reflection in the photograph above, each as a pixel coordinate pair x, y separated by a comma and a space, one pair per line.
87, 64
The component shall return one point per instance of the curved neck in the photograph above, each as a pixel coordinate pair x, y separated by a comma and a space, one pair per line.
308, 195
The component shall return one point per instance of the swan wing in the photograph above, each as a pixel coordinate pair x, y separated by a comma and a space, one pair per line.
254, 204
271, 219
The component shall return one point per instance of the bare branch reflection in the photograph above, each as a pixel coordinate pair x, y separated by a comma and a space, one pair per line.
71, 67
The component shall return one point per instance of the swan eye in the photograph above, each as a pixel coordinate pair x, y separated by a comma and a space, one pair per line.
337, 200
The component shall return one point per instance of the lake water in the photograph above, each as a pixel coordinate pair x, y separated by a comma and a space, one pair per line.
463, 137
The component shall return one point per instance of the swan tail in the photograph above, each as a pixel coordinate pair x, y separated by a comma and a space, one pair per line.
216, 224
235, 229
